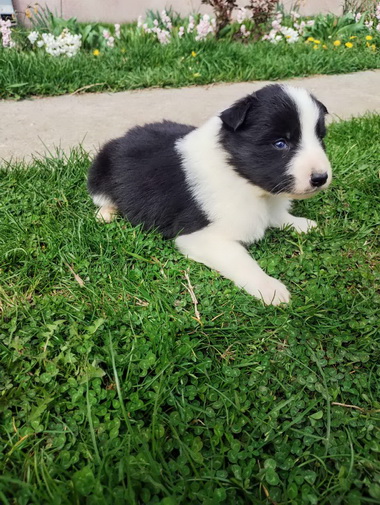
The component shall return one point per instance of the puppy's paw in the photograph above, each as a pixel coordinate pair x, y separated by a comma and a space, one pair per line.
106, 214
303, 225
274, 292
270, 291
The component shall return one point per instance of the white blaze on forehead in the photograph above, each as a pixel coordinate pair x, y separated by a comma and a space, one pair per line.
310, 157
308, 112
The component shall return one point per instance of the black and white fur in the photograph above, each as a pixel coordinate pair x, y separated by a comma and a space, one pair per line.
217, 188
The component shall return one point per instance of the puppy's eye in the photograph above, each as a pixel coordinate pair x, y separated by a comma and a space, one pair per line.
281, 144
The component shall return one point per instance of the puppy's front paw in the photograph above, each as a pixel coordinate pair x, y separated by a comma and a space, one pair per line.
274, 292
303, 225
270, 291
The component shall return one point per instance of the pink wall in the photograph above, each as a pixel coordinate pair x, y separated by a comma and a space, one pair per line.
119, 11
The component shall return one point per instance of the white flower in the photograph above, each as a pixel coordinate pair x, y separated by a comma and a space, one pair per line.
204, 27
66, 44
290, 34
273, 37
245, 33
300, 27
6, 33
242, 15
163, 36
191, 25
33, 36
111, 42
166, 20
117, 30
276, 39
181, 31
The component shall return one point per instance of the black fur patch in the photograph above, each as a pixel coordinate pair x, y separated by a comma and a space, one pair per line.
266, 116
272, 116
141, 174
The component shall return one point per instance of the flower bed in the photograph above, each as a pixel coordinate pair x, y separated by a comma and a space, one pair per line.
161, 46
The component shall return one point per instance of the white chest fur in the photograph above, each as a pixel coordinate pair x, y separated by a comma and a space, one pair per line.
237, 209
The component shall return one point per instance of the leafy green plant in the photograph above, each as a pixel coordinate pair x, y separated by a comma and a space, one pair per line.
92, 36
175, 16
43, 19
330, 26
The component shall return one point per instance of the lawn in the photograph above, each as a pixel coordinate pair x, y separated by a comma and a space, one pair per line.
145, 63
114, 392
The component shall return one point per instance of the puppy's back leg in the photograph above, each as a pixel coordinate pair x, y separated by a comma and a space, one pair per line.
233, 261
107, 210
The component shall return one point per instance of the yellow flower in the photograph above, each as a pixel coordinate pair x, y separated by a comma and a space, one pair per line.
373, 47
337, 43
96, 52
317, 41
28, 14
310, 39
316, 47
369, 37
353, 37
193, 54
324, 46
349, 45
197, 74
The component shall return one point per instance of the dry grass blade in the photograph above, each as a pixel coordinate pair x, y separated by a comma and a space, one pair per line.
79, 280
190, 289
83, 88
348, 406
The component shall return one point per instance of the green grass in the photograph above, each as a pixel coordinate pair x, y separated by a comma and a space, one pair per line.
113, 393
146, 63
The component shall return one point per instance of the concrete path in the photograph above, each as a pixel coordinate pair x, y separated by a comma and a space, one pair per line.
32, 127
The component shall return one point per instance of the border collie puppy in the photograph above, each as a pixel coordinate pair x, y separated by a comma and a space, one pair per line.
217, 188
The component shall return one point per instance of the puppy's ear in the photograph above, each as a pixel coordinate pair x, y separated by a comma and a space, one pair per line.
322, 107
235, 116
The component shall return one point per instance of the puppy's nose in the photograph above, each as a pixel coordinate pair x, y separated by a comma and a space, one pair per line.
317, 180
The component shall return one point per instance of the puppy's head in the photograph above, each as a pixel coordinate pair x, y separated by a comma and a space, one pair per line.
274, 138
